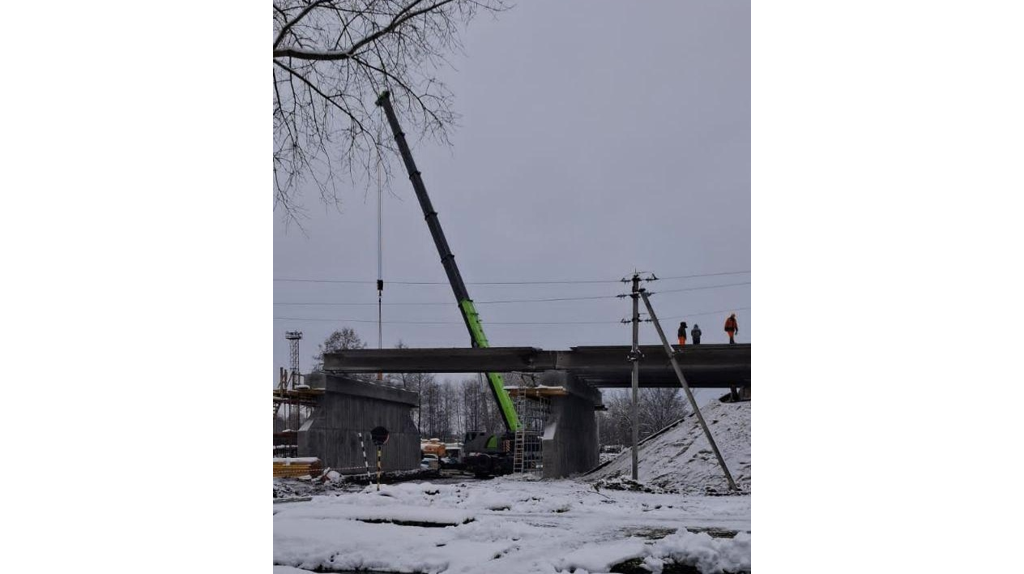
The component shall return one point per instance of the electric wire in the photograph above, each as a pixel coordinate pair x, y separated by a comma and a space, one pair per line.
695, 288
508, 301
553, 282
605, 322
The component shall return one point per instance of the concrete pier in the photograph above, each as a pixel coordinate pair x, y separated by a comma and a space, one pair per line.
570, 441
349, 407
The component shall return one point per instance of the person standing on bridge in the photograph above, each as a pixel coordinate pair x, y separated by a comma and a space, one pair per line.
695, 334
732, 327
681, 333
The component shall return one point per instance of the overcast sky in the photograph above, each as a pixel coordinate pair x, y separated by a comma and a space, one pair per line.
595, 138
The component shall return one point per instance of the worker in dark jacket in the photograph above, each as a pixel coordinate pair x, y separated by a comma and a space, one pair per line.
695, 334
681, 333
732, 327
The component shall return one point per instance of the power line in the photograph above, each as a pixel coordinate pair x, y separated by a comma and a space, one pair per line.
362, 304
704, 275
453, 303
346, 281
708, 313
500, 322
696, 288
506, 301
447, 322
554, 282
686, 315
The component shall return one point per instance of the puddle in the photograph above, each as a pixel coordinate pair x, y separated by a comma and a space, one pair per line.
413, 522
635, 566
714, 532
333, 571
650, 533
296, 499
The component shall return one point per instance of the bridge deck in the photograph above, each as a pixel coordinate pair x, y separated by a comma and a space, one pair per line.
704, 366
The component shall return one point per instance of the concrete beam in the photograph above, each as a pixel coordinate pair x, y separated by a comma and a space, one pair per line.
704, 366
572, 385
443, 360
347, 386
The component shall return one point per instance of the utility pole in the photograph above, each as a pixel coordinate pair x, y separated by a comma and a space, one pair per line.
634, 357
686, 387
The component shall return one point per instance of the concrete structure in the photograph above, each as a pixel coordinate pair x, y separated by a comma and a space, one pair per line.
570, 441
349, 407
704, 366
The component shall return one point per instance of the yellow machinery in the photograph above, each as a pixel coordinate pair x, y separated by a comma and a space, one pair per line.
434, 446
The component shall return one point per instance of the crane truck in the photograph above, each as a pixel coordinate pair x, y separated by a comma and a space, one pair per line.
484, 454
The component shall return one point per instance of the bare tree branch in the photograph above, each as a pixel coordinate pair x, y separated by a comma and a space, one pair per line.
326, 128
397, 21
294, 21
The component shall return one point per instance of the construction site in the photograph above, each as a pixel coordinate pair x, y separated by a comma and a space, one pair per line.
550, 426
551, 369
679, 497
354, 426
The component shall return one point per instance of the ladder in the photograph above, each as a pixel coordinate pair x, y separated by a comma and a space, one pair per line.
518, 459
519, 448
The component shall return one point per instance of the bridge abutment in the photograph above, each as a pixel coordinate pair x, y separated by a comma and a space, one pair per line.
349, 407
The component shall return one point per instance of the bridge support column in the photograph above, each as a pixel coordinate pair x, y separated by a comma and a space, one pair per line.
570, 441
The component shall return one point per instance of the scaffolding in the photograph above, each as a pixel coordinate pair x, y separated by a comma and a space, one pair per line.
286, 441
295, 396
294, 377
533, 406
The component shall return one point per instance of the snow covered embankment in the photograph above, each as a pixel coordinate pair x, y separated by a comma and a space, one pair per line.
681, 460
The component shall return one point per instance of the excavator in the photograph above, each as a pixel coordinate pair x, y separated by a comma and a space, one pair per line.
484, 454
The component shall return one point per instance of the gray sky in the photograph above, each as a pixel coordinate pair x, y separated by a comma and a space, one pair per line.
595, 138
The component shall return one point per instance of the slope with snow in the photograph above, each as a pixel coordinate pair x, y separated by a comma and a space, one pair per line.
680, 459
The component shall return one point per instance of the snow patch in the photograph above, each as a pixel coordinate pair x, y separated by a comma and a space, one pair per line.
681, 459
518, 527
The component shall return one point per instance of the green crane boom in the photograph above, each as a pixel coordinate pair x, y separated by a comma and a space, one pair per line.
466, 307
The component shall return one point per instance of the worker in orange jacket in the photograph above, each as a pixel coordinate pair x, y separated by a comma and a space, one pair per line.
681, 333
732, 327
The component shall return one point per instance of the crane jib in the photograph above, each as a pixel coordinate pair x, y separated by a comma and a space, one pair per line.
469, 313
495, 380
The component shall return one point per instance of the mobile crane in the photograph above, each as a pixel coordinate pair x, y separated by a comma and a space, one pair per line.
483, 454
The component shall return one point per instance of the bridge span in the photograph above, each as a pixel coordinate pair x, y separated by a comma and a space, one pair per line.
704, 366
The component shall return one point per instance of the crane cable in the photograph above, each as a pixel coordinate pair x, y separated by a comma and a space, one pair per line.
380, 263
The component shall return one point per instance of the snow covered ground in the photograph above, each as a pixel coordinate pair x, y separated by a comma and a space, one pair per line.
681, 460
512, 525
